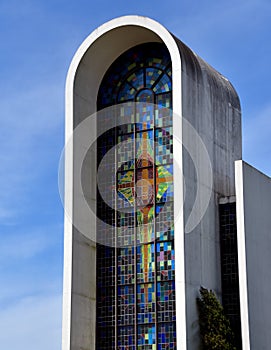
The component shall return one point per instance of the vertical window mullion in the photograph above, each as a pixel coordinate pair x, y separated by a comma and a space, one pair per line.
135, 230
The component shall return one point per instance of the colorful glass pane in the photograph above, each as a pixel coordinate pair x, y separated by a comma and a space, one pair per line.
146, 338
144, 149
144, 110
125, 223
164, 223
145, 225
146, 303
164, 146
136, 79
152, 74
126, 93
126, 305
163, 85
125, 152
145, 263
164, 183
165, 261
166, 301
157, 62
125, 118
166, 336
163, 111
144, 186
126, 191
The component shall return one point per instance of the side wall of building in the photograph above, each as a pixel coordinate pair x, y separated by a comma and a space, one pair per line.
211, 106
253, 198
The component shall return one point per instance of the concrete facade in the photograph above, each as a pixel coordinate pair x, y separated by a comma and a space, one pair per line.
253, 199
205, 99
212, 107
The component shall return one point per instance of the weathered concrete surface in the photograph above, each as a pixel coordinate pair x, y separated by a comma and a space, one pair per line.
211, 105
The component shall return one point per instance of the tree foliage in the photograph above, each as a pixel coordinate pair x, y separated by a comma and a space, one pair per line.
215, 330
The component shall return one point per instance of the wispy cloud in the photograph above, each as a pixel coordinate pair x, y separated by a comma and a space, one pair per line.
35, 322
26, 243
30, 263
31, 134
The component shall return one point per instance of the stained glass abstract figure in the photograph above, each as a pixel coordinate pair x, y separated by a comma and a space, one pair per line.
136, 275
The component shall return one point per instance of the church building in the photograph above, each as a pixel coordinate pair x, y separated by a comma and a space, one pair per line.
158, 200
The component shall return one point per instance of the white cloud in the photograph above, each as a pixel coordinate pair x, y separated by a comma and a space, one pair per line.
31, 125
33, 111
32, 323
30, 264
27, 244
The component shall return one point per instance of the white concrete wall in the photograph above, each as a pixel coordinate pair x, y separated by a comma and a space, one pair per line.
253, 199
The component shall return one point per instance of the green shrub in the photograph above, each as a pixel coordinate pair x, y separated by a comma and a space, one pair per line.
215, 330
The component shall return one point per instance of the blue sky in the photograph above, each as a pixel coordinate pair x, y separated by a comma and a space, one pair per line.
38, 40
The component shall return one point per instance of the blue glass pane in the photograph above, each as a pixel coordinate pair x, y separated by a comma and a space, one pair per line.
127, 92
126, 338
152, 74
163, 85
146, 337
146, 303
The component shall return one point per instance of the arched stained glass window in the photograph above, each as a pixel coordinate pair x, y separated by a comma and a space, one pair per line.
136, 275
134, 71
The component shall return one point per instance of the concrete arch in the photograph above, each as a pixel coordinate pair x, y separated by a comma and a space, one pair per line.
98, 51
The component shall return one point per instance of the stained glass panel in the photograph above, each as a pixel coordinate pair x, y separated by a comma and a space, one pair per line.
165, 261
166, 301
146, 303
106, 305
125, 118
164, 183
126, 305
166, 336
106, 266
152, 74
126, 190
145, 224
163, 85
145, 263
125, 152
127, 92
126, 338
146, 338
136, 79
164, 146
126, 263
142, 226
164, 223
144, 186
144, 149
163, 112
125, 234
144, 110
